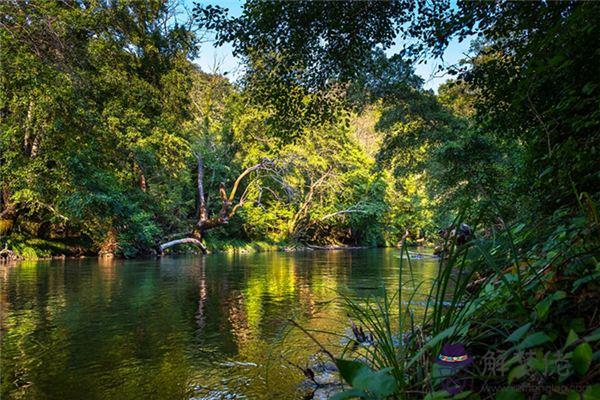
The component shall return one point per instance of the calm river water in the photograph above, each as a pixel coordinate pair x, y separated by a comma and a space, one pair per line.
179, 328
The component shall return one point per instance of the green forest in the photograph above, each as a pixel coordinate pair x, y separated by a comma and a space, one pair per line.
105, 119
113, 142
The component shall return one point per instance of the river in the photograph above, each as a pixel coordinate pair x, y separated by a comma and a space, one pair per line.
180, 327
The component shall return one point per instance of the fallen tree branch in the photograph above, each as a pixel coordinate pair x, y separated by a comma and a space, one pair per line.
178, 234
172, 243
203, 222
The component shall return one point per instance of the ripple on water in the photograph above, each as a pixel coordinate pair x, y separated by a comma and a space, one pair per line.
189, 327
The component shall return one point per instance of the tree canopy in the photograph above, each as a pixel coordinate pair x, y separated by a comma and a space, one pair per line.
105, 116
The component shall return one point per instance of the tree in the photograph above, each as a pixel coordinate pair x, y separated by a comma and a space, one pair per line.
300, 56
93, 99
228, 208
319, 41
535, 76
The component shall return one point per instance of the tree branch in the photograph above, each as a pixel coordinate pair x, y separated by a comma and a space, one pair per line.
348, 211
203, 222
172, 243
263, 164
201, 199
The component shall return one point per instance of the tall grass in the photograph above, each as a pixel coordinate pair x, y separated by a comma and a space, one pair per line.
404, 339
517, 289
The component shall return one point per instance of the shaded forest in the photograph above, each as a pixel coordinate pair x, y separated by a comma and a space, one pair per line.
108, 126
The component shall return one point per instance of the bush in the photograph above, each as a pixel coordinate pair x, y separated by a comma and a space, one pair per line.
523, 301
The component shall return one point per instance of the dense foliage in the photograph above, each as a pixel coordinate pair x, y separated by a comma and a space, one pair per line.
104, 113
94, 101
107, 126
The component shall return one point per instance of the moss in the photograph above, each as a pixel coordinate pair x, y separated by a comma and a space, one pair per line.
240, 246
34, 249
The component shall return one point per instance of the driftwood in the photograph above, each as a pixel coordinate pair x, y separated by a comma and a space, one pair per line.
228, 209
183, 241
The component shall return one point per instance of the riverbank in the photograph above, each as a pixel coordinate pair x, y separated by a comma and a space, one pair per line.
42, 249
527, 297
15, 249
46, 249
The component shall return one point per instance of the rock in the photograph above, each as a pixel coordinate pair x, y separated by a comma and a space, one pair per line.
327, 392
326, 381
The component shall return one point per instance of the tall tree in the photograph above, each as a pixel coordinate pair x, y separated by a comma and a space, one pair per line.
93, 97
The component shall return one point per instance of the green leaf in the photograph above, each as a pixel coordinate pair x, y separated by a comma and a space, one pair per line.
440, 394
582, 358
543, 306
592, 337
517, 373
573, 395
518, 334
509, 394
592, 393
511, 361
350, 369
559, 295
379, 383
585, 279
535, 339
589, 87
519, 227
571, 337
541, 364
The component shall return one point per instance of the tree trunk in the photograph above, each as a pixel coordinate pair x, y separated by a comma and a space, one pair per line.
203, 222
197, 242
9, 212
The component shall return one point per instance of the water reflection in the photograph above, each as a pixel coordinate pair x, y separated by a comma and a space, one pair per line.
176, 328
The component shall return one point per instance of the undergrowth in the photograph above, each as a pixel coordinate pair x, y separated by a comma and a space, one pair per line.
20, 247
522, 300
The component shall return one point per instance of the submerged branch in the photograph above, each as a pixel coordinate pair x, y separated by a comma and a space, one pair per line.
194, 241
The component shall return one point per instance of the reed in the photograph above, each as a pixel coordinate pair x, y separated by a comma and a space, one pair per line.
499, 293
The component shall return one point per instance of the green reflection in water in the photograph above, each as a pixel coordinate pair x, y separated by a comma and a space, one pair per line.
178, 328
